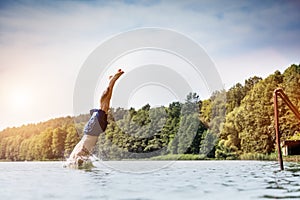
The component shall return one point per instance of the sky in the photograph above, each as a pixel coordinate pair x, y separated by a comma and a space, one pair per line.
44, 44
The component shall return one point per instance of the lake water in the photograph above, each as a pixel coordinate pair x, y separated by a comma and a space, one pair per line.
145, 180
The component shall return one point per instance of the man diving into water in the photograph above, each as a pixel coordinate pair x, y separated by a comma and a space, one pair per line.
94, 127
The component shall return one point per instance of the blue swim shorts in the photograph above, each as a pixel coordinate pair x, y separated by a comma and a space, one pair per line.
97, 123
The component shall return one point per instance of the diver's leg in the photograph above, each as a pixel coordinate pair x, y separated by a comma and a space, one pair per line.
106, 96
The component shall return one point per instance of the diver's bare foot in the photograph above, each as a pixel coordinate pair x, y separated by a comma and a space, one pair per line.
117, 75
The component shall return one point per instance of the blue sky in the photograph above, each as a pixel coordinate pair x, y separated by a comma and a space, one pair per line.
43, 44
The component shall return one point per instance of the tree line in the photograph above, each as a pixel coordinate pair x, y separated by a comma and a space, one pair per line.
225, 126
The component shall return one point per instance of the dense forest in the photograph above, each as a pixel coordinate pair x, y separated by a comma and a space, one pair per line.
227, 125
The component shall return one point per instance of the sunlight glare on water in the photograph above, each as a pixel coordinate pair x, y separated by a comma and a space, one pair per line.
180, 180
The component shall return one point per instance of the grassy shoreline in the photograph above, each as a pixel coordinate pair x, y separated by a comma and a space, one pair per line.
250, 156
199, 157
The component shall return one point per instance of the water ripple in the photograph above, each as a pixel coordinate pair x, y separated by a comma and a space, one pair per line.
181, 180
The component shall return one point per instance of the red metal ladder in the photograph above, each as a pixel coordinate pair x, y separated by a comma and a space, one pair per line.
279, 92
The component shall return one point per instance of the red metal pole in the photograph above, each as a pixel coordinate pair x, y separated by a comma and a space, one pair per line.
276, 119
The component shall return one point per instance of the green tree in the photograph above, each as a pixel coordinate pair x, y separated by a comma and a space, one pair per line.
171, 127
217, 117
234, 96
257, 114
45, 142
230, 143
289, 124
208, 144
72, 139
58, 142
